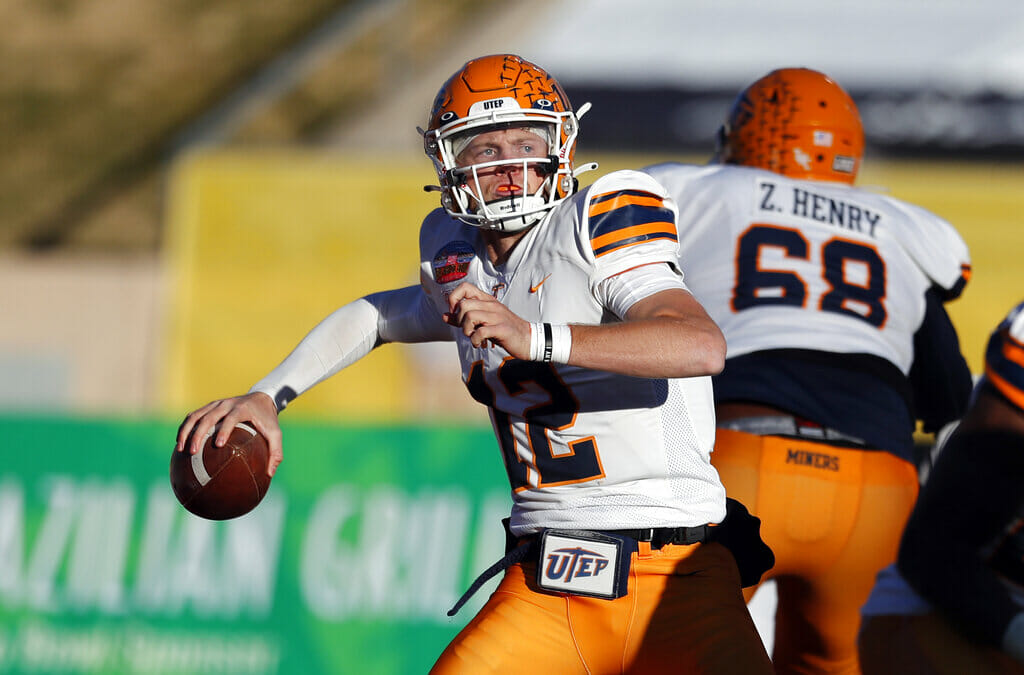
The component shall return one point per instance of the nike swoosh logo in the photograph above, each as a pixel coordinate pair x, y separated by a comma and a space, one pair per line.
535, 287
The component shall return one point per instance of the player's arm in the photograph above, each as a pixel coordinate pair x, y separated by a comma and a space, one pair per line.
344, 337
665, 332
350, 333
939, 376
972, 495
936, 247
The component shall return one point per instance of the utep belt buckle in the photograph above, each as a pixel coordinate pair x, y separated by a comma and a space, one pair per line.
579, 562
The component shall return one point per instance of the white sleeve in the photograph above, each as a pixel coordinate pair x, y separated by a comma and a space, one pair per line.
936, 246
350, 333
408, 315
627, 219
622, 291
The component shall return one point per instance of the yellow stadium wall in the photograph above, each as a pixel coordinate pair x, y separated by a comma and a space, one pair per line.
262, 245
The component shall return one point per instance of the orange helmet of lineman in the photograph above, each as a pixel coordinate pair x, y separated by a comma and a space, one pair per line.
796, 122
496, 92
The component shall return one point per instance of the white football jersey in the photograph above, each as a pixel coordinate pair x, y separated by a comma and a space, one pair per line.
828, 266
584, 449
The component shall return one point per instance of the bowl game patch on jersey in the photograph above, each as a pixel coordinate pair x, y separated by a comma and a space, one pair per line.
451, 263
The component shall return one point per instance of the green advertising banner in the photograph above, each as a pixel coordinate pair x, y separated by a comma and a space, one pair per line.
366, 537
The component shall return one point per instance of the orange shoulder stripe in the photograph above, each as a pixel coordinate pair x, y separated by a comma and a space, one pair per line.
597, 207
631, 232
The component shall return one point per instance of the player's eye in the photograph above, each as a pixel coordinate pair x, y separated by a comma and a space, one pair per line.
481, 153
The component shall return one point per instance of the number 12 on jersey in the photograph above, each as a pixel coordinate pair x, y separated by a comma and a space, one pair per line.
579, 463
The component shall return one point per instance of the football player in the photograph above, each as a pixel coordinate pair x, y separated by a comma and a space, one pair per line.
575, 331
963, 547
831, 302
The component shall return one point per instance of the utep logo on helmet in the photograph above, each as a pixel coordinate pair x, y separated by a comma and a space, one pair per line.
492, 104
583, 563
451, 263
504, 102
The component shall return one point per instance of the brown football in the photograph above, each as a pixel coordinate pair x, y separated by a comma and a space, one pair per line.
226, 482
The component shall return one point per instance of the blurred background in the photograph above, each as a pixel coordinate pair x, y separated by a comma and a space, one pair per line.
186, 188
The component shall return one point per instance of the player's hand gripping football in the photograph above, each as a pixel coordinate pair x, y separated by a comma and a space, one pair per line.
256, 408
487, 322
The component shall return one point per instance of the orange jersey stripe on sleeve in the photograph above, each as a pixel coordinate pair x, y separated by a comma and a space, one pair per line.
614, 200
633, 235
626, 218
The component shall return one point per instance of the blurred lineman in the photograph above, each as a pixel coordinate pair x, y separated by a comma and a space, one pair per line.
963, 548
574, 328
831, 302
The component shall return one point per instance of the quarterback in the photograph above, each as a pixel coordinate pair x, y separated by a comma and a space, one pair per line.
574, 329
831, 300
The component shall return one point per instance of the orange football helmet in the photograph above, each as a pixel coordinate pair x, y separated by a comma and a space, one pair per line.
495, 92
796, 122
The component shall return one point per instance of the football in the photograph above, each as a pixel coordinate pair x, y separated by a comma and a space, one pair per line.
226, 482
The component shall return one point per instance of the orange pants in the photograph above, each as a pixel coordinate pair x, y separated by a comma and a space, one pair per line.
926, 644
684, 613
833, 517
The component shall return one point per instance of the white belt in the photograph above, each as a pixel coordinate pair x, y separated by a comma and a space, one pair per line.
787, 425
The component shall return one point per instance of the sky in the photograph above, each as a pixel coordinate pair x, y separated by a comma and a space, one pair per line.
956, 46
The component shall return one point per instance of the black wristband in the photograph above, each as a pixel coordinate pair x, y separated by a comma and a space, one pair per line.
548, 343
